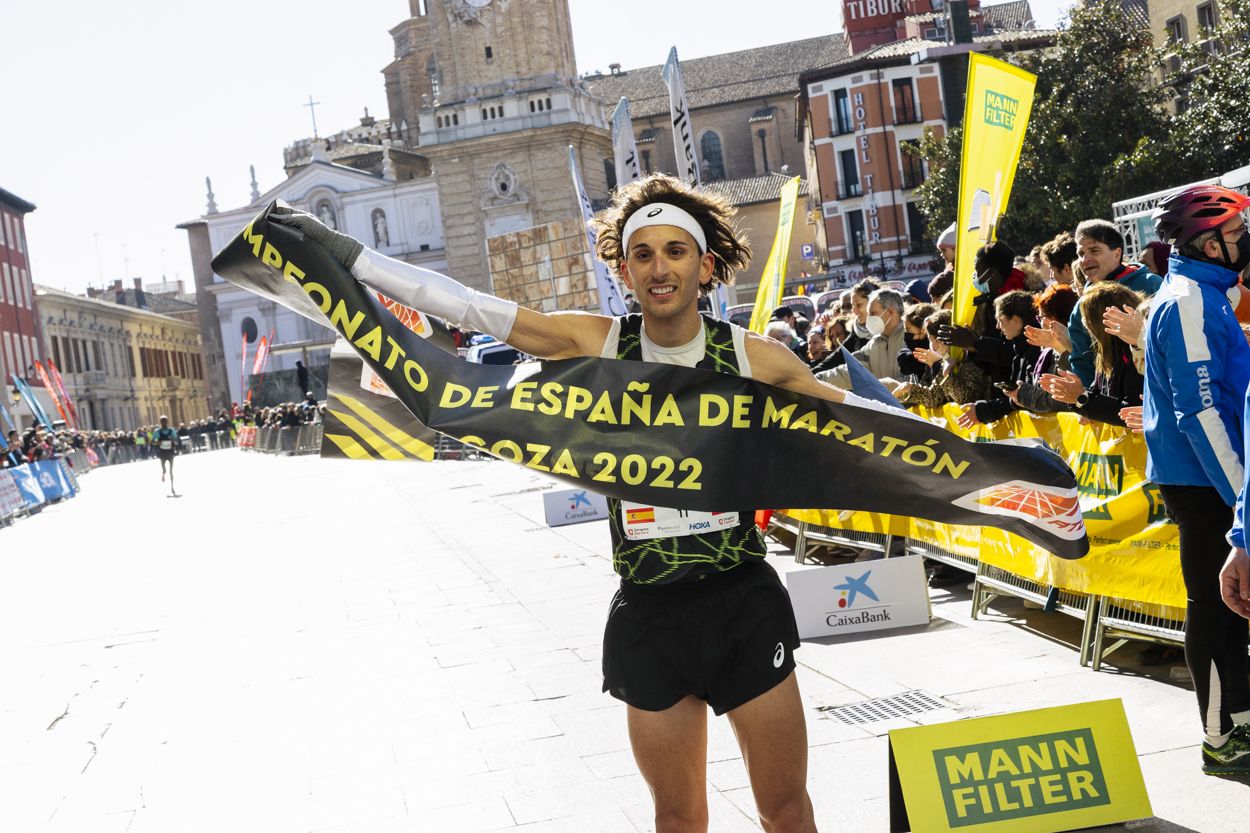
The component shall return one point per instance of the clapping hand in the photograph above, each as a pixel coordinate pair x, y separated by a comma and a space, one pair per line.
1126, 323
925, 356
1054, 336
1064, 388
1132, 418
968, 418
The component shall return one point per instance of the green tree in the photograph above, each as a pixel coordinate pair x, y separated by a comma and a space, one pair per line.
1212, 134
1097, 103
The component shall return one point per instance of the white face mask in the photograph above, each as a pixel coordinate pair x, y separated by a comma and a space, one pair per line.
875, 324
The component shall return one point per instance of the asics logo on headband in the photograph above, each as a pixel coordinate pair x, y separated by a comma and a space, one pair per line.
663, 214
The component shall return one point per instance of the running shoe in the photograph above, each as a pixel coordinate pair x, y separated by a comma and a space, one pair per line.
1233, 758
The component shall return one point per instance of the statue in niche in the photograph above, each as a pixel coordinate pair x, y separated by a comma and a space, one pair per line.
325, 212
381, 235
503, 181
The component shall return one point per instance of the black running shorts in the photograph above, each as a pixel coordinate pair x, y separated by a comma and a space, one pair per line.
165, 453
726, 639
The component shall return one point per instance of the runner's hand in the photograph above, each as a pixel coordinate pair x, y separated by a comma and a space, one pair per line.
1235, 582
341, 247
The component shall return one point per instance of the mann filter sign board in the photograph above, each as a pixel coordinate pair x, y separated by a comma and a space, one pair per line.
574, 506
1042, 771
864, 596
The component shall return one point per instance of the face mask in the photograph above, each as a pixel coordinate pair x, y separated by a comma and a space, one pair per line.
875, 324
1243, 252
981, 286
915, 341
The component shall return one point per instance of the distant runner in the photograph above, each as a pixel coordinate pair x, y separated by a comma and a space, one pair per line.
166, 441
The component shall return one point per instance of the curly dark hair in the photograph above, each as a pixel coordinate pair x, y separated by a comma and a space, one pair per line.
712, 211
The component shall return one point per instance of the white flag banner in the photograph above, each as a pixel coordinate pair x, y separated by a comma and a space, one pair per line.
683, 147
683, 133
624, 148
610, 300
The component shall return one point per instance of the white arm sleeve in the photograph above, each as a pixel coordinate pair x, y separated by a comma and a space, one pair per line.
435, 294
873, 405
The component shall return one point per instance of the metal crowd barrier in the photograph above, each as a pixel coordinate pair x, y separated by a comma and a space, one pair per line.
810, 537
1122, 620
1104, 618
303, 439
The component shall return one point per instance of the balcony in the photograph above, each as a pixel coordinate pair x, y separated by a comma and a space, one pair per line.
907, 114
912, 179
172, 383
849, 191
92, 378
840, 128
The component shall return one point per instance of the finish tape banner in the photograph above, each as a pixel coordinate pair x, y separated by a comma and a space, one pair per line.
1134, 547
670, 436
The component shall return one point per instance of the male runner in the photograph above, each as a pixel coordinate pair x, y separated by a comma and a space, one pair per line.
699, 619
165, 440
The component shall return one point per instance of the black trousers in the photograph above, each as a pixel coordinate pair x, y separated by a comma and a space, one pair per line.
1215, 637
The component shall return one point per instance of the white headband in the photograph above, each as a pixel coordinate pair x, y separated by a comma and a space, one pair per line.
663, 214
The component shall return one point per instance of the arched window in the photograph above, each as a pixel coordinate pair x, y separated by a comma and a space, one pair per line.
531, 106
713, 158
431, 73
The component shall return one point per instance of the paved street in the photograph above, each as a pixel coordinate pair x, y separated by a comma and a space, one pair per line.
305, 645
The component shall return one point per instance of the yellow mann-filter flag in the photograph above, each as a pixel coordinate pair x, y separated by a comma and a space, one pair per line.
773, 279
996, 112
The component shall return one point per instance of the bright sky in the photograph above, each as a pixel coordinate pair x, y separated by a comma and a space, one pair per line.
115, 113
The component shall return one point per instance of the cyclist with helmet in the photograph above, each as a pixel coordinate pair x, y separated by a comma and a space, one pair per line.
1197, 370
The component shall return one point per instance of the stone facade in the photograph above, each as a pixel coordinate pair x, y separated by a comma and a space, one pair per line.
399, 219
122, 366
494, 91
546, 267
505, 183
742, 107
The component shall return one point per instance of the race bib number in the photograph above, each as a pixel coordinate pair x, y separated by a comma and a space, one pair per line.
166, 445
641, 521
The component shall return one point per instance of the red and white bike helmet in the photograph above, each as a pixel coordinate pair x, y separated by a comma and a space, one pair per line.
1189, 212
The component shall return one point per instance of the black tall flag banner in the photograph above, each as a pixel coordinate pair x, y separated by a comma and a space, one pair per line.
672, 436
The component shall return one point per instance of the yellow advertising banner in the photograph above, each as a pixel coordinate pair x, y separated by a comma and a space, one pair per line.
773, 280
996, 112
1134, 549
1040, 771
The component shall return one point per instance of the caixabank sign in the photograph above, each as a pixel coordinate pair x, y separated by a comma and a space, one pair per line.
1041, 771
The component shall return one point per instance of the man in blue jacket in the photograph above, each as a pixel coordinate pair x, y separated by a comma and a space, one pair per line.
1197, 371
1100, 251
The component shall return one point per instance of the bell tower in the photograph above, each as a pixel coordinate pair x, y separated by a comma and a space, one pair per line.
491, 88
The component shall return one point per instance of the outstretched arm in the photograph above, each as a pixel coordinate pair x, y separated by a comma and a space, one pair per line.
557, 335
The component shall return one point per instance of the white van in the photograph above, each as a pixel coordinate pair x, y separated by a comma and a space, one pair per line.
493, 352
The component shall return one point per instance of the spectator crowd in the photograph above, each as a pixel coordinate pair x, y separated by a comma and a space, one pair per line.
37, 443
